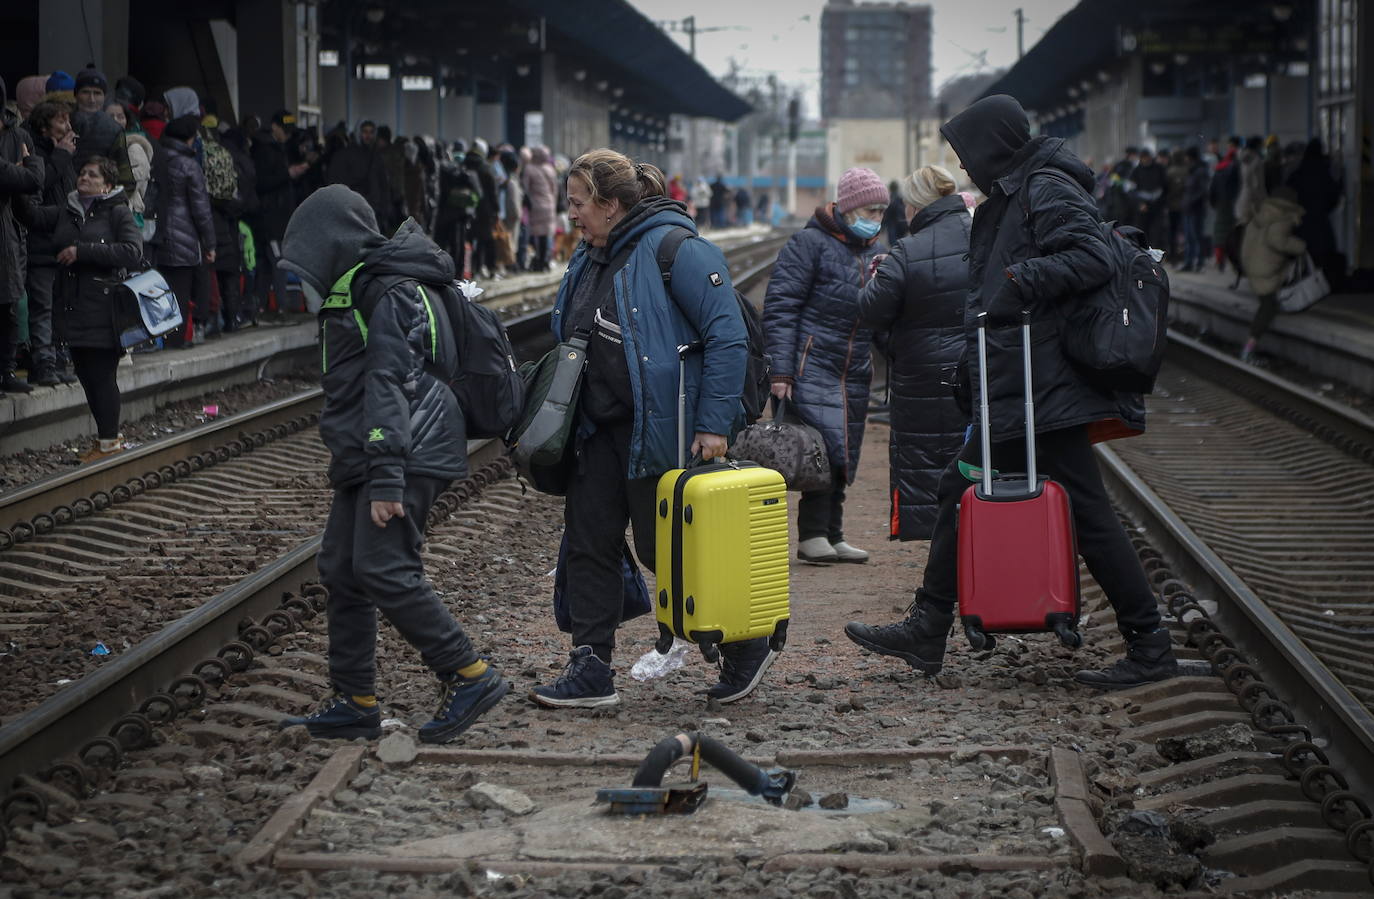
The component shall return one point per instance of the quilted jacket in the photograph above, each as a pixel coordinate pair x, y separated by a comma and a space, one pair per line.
812, 330
185, 229
917, 298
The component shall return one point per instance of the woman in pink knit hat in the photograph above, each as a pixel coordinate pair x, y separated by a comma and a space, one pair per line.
820, 351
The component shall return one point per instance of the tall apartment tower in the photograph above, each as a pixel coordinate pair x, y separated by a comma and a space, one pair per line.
875, 60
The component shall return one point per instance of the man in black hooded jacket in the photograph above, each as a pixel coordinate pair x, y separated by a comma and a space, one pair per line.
396, 437
1035, 244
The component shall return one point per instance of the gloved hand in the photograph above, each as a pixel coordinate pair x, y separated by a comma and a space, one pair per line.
1004, 308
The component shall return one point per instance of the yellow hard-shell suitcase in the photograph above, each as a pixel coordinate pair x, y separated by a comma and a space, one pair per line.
721, 547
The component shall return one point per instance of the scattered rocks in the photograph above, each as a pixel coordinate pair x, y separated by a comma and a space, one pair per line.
397, 749
832, 801
492, 796
1225, 738
1152, 860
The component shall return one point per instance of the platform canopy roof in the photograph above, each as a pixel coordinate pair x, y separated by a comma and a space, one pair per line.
609, 39
1090, 37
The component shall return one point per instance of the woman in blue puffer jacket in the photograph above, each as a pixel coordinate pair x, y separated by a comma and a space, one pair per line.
820, 348
627, 431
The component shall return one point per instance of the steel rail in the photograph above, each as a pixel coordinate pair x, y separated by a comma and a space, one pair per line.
42, 497
1306, 682
90, 705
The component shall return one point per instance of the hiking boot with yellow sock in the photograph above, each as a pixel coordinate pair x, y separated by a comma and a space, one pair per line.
341, 717
463, 697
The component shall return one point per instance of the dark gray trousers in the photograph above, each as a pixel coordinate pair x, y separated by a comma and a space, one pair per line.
39, 286
368, 569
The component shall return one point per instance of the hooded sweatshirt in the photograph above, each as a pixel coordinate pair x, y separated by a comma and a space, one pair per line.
384, 418
987, 138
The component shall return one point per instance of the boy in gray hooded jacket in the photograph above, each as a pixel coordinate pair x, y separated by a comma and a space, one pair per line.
396, 437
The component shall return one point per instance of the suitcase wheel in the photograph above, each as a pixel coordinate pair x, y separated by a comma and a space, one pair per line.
779, 637
1068, 636
710, 652
665, 639
977, 639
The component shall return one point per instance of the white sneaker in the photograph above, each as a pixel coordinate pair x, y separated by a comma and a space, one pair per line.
846, 553
817, 549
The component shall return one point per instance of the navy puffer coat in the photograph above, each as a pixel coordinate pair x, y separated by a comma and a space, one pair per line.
185, 228
812, 330
917, 297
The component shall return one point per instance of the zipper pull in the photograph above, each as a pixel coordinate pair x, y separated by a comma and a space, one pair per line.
1139, 285
1126, 317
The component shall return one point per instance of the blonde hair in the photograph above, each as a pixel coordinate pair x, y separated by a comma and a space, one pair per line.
609, 175
926, 185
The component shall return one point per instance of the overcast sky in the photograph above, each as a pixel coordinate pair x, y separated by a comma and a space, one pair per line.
783, 36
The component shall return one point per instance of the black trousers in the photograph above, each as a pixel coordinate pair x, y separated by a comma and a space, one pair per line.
368, 569
96, 369
1067, 457
9, 336
1264, 315
821, 513
182, 280
600, 502
230, 299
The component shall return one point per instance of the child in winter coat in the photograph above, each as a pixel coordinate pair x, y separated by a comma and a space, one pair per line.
1267, 253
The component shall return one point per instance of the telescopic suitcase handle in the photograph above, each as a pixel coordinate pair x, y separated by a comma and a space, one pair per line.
682, 351
986, 429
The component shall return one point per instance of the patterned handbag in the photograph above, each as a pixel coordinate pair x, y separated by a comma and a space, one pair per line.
790, 447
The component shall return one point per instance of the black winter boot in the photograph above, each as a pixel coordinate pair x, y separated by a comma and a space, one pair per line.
919, 639
1149, 658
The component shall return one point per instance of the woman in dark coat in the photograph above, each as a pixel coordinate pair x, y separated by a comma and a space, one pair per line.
820, 349
1319, 193
917, 297
185, 235
98, 241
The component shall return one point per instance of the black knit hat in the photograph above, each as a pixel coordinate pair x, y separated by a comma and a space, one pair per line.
91, 77
130, 90
183, 128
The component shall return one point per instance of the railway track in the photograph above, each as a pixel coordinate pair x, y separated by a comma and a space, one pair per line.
210, 530
1254, 495
1005, 751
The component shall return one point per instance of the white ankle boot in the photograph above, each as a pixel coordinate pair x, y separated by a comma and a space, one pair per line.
846, 553
816, 549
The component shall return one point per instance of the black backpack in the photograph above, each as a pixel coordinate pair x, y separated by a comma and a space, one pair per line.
1118, 331
472, 354
758, 365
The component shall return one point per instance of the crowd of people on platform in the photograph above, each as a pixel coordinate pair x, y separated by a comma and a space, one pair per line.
1252, 205
207, 204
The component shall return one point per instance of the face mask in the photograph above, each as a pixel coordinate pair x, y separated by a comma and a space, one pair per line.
865, 228
313, 300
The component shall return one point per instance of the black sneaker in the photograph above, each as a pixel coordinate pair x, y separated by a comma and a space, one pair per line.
586, 683
339, 718
1149, 659
12, 383
45, 377
462, 700
919, 639
742, 666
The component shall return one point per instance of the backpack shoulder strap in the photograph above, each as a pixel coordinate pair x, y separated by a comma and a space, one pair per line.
667, 251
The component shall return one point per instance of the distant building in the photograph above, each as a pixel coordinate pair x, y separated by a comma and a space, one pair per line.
875, 60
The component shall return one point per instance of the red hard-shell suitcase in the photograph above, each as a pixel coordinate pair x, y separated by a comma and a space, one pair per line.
1018, 554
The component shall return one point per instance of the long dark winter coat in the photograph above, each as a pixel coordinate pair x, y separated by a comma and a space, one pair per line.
20, 176
917, 295
276, 190
1055, 254
45, 209
812, 330
384, 417
107, 242
185, 228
